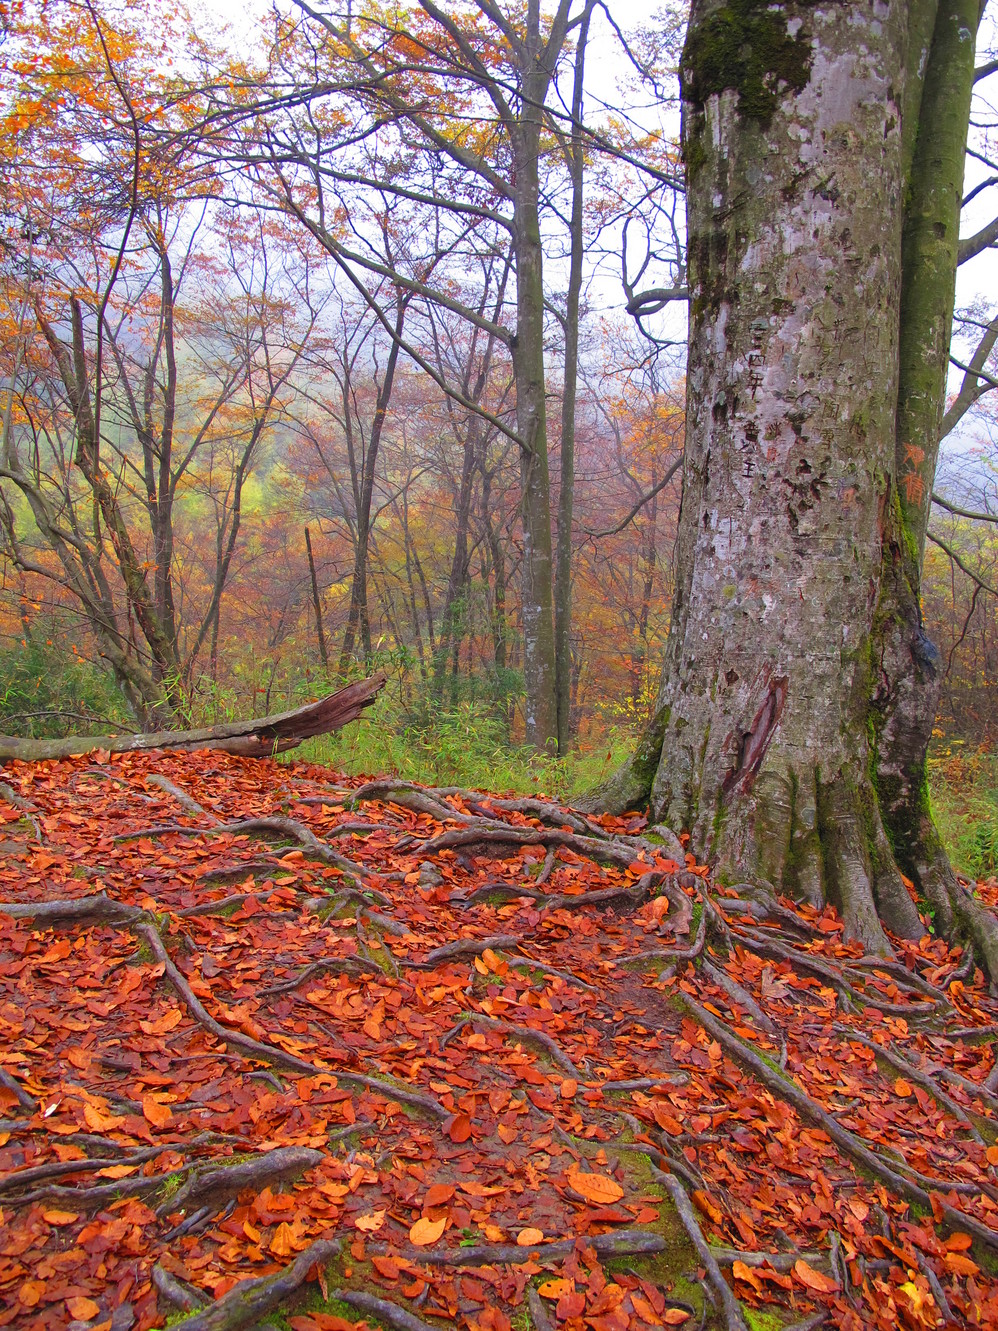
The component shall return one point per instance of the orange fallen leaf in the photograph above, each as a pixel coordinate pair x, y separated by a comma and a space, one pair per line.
281, 1244
596, 1188
992, 1155
569, 1088
960, 1265
666, 1121
957, 1241
675, 1316
159, 1115
117, 1171
426, 1231
370, 1222
82, 1308
741, 1271
816, 1280
554, 1289
902, 1089
439, 1194
459, 1128
528, 1237
60, 1217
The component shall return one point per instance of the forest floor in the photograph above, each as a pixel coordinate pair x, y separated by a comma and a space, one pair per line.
280, 1048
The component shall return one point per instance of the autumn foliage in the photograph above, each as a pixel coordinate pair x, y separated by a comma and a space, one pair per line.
462, 1043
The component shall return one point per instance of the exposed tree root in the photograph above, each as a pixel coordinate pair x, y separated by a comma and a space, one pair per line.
916, 1074
268, 1053
739, 995
528, 964
620, 1243
185, 801
383, 1309
732, 1309
677, 954
764, 945
175, 1291
783, 1262
525, 1033
251, 1300
468, 947
329, 965
843, 1138
25, 1100
274, 825
222, 1182
23, 1178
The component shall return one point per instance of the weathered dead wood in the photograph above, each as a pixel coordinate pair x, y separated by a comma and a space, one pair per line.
259, 738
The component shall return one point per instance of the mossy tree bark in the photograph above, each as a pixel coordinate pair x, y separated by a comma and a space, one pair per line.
824, 150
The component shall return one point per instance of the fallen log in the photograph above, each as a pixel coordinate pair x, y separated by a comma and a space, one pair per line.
260, 738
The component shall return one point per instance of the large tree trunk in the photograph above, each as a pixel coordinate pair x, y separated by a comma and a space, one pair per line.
796, 668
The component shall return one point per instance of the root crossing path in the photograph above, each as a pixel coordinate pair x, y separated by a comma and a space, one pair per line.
279, 1048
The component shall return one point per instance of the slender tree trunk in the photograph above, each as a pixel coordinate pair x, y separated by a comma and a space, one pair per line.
909, 665
531, 414
458, 579
566, 494
358, 622
316, 604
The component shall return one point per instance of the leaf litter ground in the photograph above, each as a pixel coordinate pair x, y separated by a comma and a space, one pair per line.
281, 1049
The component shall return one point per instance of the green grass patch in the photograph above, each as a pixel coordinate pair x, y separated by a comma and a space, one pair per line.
466, 744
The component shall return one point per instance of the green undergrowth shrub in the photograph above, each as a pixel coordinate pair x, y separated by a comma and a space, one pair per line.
417, 738
963, 783
47, 691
